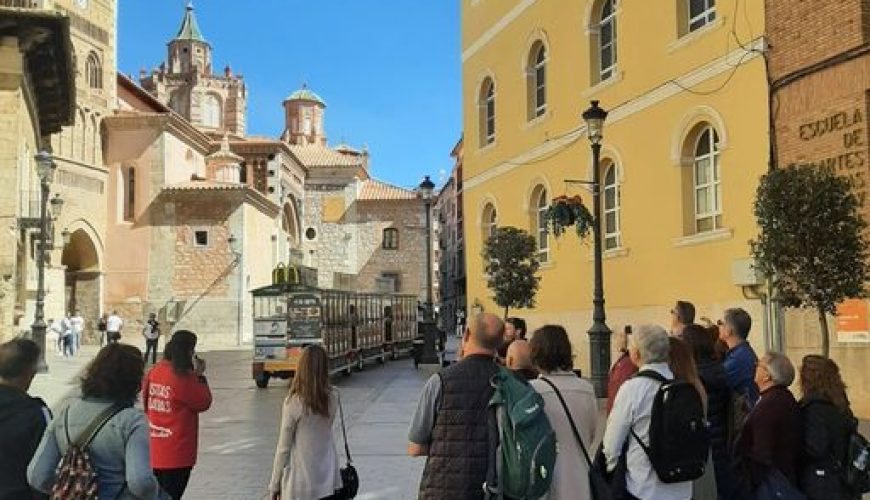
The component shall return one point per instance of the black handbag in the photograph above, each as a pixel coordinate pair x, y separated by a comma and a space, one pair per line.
349, 476
598, 485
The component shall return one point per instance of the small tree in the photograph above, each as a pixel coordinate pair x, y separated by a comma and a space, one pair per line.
811, 244
511, 265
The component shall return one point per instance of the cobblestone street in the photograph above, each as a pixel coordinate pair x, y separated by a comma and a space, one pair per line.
239, 433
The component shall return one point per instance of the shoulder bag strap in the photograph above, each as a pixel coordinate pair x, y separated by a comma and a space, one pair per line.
651, 374
97, 425
343, 430
570, 420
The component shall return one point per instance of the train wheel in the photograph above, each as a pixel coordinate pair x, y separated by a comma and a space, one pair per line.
262, 380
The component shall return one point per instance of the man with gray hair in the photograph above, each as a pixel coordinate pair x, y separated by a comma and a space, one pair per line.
23, 419
632, 410
772, 435
740, 359
450, 424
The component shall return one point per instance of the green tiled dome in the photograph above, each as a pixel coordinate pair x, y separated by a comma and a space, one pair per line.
304, 94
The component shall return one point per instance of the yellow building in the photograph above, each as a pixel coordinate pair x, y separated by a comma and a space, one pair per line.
685, 142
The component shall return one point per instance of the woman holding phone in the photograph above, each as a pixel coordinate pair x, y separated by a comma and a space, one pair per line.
174, 393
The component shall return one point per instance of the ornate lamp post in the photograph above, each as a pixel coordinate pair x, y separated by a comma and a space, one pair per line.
427, 189
45, 168
599, 334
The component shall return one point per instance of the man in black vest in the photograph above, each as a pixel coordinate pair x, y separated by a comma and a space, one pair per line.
450, 425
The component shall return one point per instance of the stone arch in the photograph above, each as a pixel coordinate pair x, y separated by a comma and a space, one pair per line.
82, 258
290, 222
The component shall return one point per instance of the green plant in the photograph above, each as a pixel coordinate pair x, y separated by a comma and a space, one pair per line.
565, 212
811, 244
511, 265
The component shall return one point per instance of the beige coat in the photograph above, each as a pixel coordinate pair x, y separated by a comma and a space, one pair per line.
571, 474
306, 461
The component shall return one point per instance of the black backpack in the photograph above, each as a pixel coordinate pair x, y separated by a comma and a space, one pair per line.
679, 442
857, 467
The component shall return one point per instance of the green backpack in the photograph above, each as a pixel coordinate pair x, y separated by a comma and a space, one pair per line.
525, 449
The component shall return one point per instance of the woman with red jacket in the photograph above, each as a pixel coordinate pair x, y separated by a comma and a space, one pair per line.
174, 393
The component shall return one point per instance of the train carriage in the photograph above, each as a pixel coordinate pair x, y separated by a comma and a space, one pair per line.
354, 328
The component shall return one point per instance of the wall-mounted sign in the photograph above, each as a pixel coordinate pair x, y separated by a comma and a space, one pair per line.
852, 324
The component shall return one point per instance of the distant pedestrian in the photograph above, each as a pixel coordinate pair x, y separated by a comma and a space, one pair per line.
719, 398
553, 356
682, 315
67, 334
519, 360
768, 446
23, 419
78, 330
306, 465
55, 331
622, 370
828, 423
101, 328
450, 424
174, 393
460, 322
151, 332
632, 414
114, 324
119, 451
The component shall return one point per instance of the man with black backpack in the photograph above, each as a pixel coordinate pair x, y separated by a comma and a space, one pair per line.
656, 431
450, 424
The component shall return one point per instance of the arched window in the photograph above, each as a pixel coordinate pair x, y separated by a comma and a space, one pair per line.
211, 111
487, 112
390, 239
489, 221
706, 181
612, 234
537, 81
94, 71
129, 194
540, 204
607, 40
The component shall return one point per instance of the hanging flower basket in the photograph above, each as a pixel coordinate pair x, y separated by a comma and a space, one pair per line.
564, 212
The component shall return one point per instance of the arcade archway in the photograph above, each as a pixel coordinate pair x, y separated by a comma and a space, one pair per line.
81, 259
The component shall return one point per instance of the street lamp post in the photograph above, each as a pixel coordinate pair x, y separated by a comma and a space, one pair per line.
427, 188
45, 168
599, 334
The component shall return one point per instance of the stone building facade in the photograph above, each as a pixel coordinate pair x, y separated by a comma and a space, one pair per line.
37, 98
187, 83
452, 247
820, 91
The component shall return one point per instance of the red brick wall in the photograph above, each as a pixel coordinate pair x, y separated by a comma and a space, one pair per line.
804, 32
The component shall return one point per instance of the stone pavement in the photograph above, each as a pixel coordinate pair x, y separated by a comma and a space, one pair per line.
62, 379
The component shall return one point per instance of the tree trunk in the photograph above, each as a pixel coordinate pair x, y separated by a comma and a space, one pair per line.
826, 340
506, 309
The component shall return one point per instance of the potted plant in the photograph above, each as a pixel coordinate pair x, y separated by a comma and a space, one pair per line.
566, 211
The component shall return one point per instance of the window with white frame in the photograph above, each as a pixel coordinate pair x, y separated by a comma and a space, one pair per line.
537, 80
487, 112
490, 221
701, 13
706, 182
611, 208
211, 111
607, 40
200, 238
542, 236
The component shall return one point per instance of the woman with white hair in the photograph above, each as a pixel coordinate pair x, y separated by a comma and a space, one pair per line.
768, 447
632, 410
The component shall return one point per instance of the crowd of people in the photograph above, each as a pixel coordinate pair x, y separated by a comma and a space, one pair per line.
760, 441
100, 441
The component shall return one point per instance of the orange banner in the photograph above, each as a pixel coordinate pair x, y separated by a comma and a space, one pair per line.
852, 325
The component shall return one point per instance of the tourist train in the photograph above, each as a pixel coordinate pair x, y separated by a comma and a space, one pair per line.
353, 327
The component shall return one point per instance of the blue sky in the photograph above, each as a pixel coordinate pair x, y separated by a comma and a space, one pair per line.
389, 70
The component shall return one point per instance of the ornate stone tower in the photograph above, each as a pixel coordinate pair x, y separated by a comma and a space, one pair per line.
303, 118
217, 104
